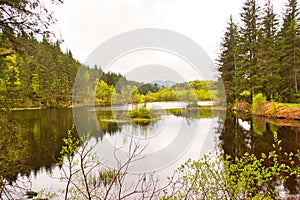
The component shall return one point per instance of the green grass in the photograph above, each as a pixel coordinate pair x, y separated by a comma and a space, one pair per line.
290, 105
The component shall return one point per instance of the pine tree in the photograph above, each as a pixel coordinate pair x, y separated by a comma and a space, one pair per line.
291, 13
228, 60
290, 47
249, 34
267, 53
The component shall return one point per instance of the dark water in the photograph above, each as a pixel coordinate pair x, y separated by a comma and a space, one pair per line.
256, 135
30, 141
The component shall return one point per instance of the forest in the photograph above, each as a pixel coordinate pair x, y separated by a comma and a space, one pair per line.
39, 74
260, 53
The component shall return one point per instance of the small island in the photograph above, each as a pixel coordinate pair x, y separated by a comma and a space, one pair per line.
143, 116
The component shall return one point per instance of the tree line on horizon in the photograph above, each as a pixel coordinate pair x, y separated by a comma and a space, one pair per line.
39, 74
260, 53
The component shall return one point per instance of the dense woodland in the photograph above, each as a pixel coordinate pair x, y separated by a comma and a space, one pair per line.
39, 74
260, 53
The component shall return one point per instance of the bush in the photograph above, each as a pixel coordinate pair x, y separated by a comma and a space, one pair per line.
143, 113
220, 176
258, 100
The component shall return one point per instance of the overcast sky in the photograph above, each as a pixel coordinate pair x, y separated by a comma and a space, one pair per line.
84, 25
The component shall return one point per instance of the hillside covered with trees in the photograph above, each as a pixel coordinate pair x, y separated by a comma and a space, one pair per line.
38, 74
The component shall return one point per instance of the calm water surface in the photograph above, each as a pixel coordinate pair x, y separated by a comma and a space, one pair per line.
31, 140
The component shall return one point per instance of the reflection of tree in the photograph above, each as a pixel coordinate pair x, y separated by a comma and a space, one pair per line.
176, 112
233, 136
107, 123
47, 128
235, 139
14, 150
31, 139
200, 113
259, 125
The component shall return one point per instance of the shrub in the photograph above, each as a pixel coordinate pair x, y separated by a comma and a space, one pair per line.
143, 113
258, 100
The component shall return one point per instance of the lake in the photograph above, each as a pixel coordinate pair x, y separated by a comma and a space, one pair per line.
31, 140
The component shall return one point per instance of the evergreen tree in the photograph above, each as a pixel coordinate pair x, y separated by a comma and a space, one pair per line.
268, 54
249, 35
291, 14
228, 60
290, 47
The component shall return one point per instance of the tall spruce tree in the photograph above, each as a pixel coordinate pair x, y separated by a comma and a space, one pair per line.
228, 60
290, 48
249, 34
267, 53
291, 13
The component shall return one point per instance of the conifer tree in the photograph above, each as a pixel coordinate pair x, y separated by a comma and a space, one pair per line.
267, 53
290, 47
249, 34
228, 60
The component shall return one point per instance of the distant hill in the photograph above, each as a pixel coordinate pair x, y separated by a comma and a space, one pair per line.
161, 83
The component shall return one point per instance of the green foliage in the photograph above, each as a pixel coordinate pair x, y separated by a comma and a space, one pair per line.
70, 147
195, 91
163, 94
26, 17
142, 112
10, 81
260, 55
219, 176
40, 75
143, 116
244, 96
228, 60
258, 100
104, 93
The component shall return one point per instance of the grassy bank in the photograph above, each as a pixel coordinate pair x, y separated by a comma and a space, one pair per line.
279, 110
269, 109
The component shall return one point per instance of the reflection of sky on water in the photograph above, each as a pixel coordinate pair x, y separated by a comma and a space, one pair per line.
47, 127
244, 124
161, 140
164, 143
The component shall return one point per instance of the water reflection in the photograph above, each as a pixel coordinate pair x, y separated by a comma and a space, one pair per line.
255, 134
31, 140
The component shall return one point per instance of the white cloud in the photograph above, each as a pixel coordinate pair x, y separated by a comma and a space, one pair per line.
84, 25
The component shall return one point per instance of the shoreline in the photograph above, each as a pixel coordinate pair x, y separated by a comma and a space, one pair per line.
203, 104
273, 110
